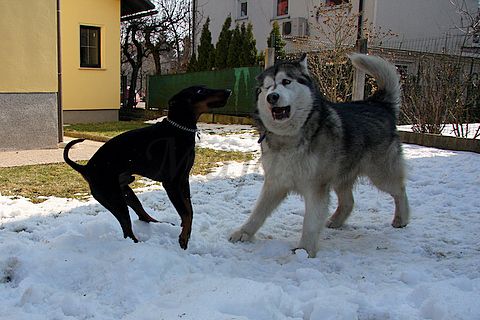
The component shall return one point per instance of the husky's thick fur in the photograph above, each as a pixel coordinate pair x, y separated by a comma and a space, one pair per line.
310, 145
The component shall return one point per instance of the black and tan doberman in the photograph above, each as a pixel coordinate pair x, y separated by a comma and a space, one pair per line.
163, 152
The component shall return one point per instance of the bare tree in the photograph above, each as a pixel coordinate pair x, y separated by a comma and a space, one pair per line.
470, 26
469, 17
427, 98
162, 35
333, 37
441, 92
134, 53
177, 19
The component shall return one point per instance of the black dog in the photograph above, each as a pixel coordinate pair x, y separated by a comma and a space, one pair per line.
163, 152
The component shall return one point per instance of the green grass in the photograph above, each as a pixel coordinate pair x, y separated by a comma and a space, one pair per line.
103, 131
38, 181
59, 180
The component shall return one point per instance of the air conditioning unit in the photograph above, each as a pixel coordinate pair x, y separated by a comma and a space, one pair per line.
295, 27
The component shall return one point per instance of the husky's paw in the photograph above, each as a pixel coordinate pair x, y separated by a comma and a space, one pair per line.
301, 253
399, 222
240, 235
311, 248
311, 253
332, 224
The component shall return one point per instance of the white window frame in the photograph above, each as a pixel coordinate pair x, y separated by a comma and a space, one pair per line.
240, 14
276, 9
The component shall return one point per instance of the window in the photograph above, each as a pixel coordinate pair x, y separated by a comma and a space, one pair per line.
243, 9
335, 2
89, 47
282, 7
287, 28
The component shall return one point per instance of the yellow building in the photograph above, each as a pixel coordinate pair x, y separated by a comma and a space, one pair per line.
58, 72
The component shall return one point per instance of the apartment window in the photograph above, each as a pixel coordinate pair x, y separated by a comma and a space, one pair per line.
287, 28
335, 2
89, 47
282, 7
243, 9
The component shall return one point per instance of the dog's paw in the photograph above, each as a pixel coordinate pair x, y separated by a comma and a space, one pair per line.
303, 251
131, 236
240, 235
300, 253
183, 239
332, 224
183, 242
310, 246
399, 223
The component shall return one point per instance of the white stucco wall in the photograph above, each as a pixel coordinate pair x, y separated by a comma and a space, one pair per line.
417, 19
261, 14
409, 19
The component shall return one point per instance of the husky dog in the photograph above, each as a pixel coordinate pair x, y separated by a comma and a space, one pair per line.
310, 145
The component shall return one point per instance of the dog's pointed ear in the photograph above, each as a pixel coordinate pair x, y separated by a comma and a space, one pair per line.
260, 79
304, 63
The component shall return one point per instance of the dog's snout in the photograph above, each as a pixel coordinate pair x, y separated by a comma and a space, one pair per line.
273, 97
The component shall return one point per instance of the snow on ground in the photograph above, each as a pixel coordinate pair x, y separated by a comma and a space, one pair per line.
66, 259
224, 137
471, 130
228, 137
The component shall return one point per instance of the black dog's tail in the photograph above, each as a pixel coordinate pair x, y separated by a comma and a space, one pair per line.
387, 78
78, 167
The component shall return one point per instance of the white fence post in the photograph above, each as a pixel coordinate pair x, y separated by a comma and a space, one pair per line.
269, 57
359, 76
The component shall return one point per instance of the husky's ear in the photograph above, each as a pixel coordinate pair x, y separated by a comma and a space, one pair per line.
304, 63
260, 78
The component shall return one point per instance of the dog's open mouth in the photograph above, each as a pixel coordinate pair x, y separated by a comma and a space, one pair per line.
280, 113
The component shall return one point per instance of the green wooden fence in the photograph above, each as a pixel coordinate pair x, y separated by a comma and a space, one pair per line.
241, 81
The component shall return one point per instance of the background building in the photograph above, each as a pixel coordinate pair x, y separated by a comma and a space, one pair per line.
53, 71
410, 20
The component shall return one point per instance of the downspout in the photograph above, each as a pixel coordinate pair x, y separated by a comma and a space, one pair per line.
59, 79
360, 20
194, 11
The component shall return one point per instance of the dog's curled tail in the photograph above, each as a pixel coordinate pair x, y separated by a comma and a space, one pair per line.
78, 167
385, 74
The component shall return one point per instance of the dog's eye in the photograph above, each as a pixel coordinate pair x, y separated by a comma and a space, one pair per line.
200, 91
286, 81
302, 81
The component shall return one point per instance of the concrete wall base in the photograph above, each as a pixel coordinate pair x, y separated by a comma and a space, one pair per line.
441, 142
89, 116
28, 121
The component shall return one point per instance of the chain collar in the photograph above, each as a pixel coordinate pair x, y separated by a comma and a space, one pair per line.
176, 125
